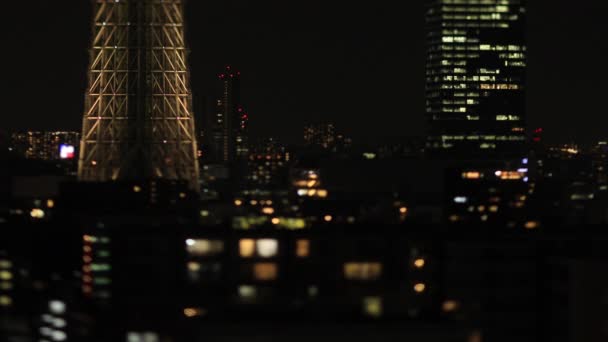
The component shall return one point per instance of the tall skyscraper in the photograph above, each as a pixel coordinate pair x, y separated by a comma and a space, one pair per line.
475, 77
138, 121
229, 140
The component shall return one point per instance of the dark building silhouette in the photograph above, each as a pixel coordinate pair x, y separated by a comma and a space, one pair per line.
229, 139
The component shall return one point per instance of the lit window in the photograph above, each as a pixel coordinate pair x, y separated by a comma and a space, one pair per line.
6, 275
6, 301
362, 270
58, 335
420, 288
472, 175
460, 200
268, 210
205, 247
37, 213
372, 306
194, 266
247, 292
450, 306
193, 312
142, 337
265, 271
247, 248
57, 307
302, 248
313, 291
267, 248
419, 263
532, 225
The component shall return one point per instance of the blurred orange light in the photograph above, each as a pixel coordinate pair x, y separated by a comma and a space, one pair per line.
420, 287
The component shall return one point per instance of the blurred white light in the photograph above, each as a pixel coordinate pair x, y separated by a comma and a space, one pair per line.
57, 307
267, 248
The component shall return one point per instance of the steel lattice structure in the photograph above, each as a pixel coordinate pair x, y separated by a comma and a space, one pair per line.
138, 121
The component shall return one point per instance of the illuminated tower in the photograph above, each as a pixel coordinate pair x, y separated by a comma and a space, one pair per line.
475, 77
138, 121
230, 124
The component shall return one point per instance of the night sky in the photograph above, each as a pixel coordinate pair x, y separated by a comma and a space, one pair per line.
359, 65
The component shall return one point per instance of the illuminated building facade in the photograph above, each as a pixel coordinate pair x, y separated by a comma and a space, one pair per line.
269, 269
45, 145
268, 163
489, 194
138, 121
230, 124
475, 77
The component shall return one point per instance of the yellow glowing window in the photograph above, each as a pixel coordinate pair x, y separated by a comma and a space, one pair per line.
247, 248
362, 270
302, 248
194, 266
472, 175
372, 306
205, 247
419, 288
450, 306
419, 263
265, 271
194, 312
532, 225
6, 301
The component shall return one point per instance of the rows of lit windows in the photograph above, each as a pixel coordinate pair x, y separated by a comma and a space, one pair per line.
260, 268
481, 2
472, 9
482, 137
493, 16
480, 47
96, 268
6, 282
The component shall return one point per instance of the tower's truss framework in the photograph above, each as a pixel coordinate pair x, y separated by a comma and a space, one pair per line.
138, 121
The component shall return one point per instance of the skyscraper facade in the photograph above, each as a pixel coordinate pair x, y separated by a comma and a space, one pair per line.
229, 141
475, 77
138, 121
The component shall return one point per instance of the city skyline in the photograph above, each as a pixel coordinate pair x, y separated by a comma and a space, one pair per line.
321, 88
425, 174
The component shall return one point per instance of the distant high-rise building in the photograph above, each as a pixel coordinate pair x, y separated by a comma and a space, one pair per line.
475, 77
229, 137
268, 164
320, 135
45, 145
138, 121
325, 136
